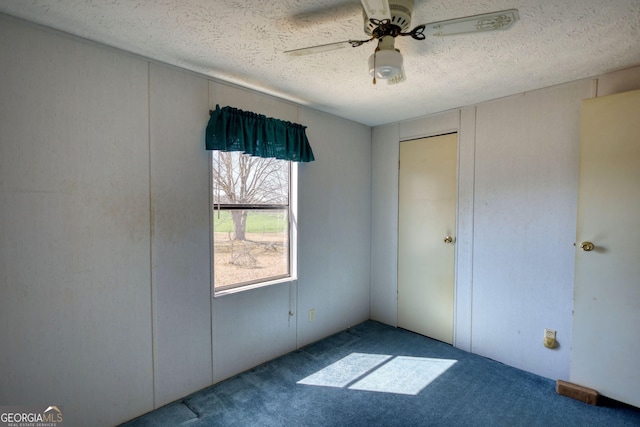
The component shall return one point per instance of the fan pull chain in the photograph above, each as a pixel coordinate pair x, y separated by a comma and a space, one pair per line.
375, 53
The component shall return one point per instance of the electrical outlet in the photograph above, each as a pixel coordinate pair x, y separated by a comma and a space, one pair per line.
550, 338
312, 315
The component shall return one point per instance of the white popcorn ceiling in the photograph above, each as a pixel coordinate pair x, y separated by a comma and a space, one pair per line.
242, 42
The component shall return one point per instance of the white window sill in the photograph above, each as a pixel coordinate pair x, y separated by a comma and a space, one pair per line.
218, 294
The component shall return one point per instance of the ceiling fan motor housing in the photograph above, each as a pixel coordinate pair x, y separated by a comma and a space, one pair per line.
401, 11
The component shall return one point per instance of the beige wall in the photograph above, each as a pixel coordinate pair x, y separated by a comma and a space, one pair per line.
106, 306
75, 312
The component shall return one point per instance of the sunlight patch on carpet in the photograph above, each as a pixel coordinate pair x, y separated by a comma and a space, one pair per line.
380, 373
404, 375
345, 371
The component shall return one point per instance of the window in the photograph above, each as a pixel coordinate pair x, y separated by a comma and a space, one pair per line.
252, 217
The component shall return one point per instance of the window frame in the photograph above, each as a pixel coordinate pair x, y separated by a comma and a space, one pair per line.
292, 233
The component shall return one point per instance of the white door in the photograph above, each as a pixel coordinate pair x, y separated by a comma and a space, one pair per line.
605, 352
426, 235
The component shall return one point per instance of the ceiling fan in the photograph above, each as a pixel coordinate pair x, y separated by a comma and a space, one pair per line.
384, 20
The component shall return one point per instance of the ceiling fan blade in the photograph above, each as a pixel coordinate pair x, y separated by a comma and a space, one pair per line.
398, 79
376, 9
320, 16
502, 20
319, 48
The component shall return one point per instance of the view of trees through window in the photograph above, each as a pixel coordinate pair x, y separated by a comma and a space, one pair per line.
250, 219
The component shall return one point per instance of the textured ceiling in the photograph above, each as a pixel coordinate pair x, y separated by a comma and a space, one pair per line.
242, 42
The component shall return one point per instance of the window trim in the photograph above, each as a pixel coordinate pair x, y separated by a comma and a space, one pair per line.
248, 207
293, 234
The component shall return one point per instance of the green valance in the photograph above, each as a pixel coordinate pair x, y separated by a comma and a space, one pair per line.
231, 129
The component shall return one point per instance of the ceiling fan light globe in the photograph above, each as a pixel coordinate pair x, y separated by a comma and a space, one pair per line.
386, 72
385, 64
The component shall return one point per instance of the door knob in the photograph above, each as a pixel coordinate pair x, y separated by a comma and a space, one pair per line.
587, 246
449, 239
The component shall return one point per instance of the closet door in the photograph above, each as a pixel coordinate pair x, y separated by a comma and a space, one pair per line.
426, 235
606, 340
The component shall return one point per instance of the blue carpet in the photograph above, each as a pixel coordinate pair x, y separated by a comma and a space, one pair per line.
377, 375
